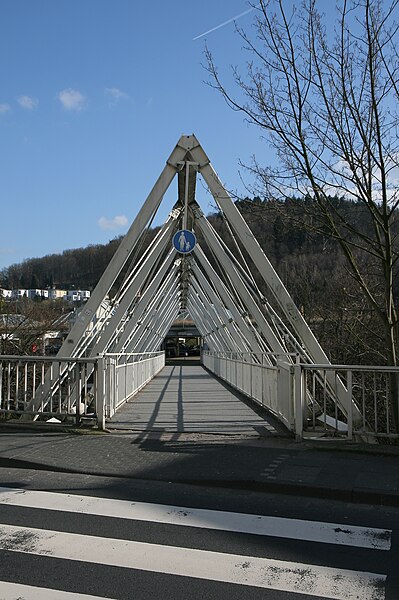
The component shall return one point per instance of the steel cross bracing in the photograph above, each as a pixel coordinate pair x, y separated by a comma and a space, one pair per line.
213, 283
243, 325
225, 319
150, 298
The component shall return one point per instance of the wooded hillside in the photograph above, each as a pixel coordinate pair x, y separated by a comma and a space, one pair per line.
310, 264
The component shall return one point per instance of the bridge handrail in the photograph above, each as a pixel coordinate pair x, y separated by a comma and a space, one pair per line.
260, 381
50, 359
339, 367
77, 387
302, 395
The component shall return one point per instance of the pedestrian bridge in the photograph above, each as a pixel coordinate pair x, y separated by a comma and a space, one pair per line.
186, 398
254, 338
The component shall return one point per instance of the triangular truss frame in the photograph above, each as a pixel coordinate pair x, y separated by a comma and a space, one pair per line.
213, 283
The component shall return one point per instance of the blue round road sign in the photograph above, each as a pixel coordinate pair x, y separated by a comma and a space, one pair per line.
184, 241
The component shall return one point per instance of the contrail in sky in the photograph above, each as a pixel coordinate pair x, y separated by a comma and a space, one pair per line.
225, 23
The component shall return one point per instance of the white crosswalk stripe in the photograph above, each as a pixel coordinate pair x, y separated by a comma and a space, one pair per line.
261, 572
311, 531
266, 573
18, 591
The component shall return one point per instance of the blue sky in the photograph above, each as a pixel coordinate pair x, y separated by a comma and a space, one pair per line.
94, 94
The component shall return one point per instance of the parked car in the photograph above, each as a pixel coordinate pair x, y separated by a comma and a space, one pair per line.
194, 350
52, 349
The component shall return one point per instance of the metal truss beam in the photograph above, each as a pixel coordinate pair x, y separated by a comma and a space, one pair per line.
264, 266
240, 319
153, 309
136, 283
127, 245
230, 311
210, 339
162, 325
162, 314
210, 324
210, 309
140, 308
207, 231
267, 272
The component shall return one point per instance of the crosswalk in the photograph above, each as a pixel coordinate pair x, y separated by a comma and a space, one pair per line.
113, 547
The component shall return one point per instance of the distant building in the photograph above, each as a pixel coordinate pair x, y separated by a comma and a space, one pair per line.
52, 294
55, 294
78, 295
32, 294
18, 294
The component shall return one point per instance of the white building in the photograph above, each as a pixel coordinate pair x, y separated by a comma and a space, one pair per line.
54, 294
18, 294
78, 295
32, 294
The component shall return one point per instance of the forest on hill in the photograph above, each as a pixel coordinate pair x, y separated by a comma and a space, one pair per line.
283, 234
308, 259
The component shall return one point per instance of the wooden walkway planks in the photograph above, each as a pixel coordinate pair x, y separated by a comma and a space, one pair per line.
188, 399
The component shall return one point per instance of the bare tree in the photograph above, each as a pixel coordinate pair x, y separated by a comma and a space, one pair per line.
23, 324
325, 97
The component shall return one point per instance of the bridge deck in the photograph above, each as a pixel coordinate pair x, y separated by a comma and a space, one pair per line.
189, 399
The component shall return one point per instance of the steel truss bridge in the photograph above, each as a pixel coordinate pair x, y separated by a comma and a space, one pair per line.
254, 336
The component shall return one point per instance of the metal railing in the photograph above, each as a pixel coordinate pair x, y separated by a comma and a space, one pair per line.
253, 375
305, 396
127, 374
70, 389
372, 398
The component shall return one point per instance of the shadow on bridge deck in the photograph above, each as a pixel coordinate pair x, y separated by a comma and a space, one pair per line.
185, 398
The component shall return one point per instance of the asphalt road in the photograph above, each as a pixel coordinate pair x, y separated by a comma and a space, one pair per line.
107, 537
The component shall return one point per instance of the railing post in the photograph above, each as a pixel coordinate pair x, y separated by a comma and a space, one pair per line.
261, 362
100, 399
112, 386
250, 374
350, 407
78, 392
298, 400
